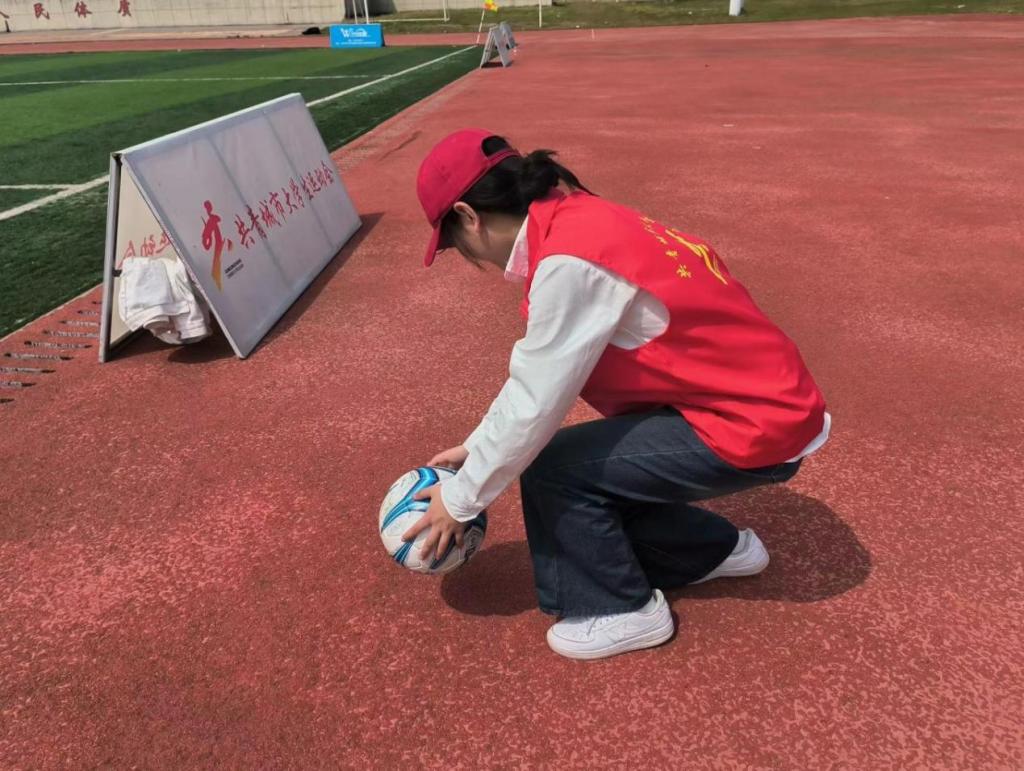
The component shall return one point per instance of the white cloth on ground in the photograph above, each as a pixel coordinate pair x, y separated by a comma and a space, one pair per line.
157, 294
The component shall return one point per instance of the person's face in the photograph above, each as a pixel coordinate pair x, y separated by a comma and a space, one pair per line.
479, 238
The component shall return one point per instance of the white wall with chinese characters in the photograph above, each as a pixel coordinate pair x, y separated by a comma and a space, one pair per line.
26, 15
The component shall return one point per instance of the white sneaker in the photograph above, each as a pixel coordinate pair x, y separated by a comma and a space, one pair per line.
597, 637
747, 559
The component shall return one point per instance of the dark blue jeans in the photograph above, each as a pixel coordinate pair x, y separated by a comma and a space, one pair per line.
609, 514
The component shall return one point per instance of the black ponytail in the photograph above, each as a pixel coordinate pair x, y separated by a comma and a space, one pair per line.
515, 183
539, 172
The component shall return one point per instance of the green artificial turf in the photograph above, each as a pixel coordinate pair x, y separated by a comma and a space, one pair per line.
11, 198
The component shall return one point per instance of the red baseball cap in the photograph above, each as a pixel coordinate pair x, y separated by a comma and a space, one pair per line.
455, 164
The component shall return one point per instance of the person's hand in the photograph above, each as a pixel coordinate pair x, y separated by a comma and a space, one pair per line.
443, 527
453, 458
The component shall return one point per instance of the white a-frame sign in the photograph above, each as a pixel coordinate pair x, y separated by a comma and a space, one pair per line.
251, 203
499, 43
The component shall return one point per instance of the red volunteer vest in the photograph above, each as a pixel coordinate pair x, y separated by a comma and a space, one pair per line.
735, 377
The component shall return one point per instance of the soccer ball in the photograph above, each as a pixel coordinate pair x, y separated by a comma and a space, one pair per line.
399, 512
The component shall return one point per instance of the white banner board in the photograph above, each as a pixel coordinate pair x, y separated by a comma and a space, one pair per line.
136, 234
507, 29
498, 44
252, 204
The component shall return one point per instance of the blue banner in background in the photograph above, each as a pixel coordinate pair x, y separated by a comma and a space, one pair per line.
357, 36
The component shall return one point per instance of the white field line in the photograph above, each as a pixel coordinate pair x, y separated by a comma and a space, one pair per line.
92, 183
34, 187
183, 80
66, 193
406, 71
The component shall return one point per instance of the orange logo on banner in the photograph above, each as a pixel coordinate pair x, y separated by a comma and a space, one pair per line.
212, 238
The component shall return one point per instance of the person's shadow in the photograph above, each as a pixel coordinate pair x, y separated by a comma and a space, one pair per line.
814, 555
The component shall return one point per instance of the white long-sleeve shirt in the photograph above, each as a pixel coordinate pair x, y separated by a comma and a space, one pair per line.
577, 309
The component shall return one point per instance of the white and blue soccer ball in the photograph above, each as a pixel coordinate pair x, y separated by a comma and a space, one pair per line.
399, 512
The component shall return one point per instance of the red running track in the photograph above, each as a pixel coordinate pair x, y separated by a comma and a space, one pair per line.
190, 570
